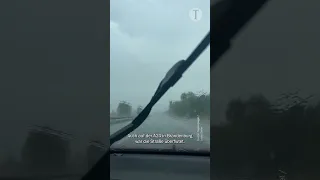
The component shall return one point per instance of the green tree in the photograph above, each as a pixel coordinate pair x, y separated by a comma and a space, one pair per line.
191, 105
113, 113
124, 109
288, 128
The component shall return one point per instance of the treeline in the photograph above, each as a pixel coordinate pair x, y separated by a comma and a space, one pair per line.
125, 109
267, 136
191, 105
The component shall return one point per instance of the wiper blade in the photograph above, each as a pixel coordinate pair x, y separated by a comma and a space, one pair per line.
228, 17
179, 68
173, 75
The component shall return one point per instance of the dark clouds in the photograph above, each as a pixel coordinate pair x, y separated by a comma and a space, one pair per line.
147, 38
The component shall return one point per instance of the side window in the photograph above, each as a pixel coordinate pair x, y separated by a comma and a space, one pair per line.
265, 104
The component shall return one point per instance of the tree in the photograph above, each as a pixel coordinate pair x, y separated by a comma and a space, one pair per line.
113, 113
124, 109
191, 105
288, 128
183, 96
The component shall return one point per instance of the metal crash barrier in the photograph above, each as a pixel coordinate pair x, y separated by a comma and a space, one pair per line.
115, 120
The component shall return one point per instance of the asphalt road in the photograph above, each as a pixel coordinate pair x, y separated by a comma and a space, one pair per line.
164, 131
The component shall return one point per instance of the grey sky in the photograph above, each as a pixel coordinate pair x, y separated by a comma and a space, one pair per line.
277, 52
146, 38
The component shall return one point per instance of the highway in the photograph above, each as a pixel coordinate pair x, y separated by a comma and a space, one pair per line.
184, 133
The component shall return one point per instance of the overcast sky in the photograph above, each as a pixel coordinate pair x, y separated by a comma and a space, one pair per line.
146, 38
277, 52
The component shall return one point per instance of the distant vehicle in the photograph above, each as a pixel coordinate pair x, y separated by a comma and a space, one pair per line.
46, 150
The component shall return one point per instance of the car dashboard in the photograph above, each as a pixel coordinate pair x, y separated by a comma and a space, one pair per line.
126, 166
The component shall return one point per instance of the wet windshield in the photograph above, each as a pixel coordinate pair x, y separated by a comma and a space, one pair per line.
147, 38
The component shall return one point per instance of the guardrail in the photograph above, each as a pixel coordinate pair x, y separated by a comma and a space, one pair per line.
115, 120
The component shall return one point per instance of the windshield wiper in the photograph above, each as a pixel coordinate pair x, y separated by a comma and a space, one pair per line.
227, 18
170, 79
172, 76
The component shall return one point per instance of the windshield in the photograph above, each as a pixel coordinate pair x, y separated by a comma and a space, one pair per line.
147, 38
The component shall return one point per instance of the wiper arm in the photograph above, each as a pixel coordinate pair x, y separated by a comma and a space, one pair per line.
173, 76
227, 17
